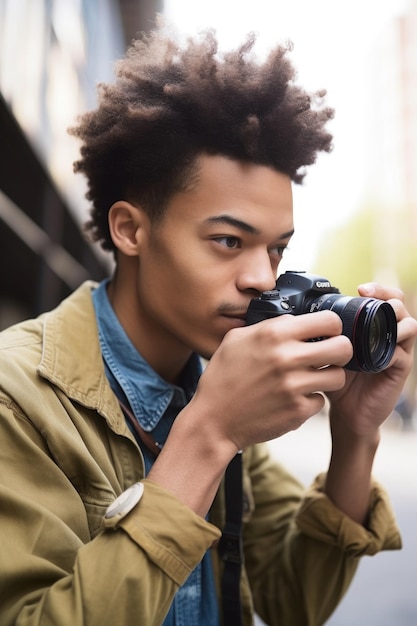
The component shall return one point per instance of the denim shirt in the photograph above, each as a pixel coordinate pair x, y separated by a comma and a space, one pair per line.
155, 403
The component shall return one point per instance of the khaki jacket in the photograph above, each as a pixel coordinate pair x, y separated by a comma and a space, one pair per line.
66, 453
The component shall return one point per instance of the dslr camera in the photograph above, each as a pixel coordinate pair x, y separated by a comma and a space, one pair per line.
369, 323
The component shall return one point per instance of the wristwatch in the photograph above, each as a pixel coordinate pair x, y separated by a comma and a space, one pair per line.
123, 505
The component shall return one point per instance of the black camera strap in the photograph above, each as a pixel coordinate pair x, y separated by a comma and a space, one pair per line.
231, 545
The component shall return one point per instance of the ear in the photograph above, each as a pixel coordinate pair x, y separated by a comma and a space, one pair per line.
128, 226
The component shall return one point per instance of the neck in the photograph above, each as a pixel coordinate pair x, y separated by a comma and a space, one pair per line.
164, 353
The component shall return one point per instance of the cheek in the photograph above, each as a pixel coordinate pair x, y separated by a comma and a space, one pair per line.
180, 278
183, 276
171, 291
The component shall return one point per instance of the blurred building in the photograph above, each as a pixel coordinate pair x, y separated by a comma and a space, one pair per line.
392, 164
52, 55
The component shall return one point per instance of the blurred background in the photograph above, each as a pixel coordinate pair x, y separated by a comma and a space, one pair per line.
356, 213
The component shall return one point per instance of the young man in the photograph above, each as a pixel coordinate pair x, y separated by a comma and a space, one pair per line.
190, 157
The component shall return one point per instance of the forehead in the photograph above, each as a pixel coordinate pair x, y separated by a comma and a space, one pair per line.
245, 190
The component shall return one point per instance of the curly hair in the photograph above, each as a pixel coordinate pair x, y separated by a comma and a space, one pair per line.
172, 101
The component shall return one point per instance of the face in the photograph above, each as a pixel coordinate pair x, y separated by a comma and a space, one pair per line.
217, 247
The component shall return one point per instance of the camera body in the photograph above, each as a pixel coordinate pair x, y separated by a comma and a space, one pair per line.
369, 323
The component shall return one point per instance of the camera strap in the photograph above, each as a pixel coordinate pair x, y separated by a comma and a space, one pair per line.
231, 544
145, 437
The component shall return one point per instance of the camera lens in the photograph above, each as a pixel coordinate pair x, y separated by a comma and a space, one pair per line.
377, 330
371, 326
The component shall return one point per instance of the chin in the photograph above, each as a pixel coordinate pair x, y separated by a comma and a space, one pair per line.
207, 351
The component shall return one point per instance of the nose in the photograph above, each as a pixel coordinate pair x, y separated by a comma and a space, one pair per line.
257, 274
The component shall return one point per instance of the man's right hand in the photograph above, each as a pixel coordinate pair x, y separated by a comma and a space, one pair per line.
263, 381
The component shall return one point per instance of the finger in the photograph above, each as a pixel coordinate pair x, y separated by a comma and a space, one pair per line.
307, 326
399, 308
375, 290
331, 351
308, 405
330, 378
394, 296
304, 383
407, 333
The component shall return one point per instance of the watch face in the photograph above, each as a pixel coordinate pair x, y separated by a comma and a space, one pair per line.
125, 502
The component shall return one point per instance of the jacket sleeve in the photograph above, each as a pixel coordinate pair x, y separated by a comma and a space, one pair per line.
53, 573
301, 552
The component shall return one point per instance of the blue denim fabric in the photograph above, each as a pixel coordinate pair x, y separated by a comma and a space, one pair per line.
155, 404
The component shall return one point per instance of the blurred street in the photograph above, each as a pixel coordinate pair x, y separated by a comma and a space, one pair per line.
383, 592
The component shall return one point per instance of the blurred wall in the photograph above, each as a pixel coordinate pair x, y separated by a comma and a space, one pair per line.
52, 55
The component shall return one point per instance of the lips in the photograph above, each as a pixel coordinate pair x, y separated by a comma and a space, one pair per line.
237, 319
235, 315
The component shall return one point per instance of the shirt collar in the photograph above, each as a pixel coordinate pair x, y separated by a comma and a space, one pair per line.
148, 394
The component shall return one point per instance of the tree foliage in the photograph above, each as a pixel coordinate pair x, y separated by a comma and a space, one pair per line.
372, 246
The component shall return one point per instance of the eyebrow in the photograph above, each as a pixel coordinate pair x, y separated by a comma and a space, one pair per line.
248, 228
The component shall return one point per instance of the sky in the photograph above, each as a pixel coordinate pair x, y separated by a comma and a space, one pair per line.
333, 42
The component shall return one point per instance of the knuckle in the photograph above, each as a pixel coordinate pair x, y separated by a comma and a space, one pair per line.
265, 330
282, 364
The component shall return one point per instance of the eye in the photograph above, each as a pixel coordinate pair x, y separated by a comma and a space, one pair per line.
279, 250
229, 242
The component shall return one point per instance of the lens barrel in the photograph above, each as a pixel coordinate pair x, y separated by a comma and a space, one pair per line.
371, 326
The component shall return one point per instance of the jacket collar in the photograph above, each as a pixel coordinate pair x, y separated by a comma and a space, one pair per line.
71, 357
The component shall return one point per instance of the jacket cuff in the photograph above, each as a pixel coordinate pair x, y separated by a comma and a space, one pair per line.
320, 519
174, 538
